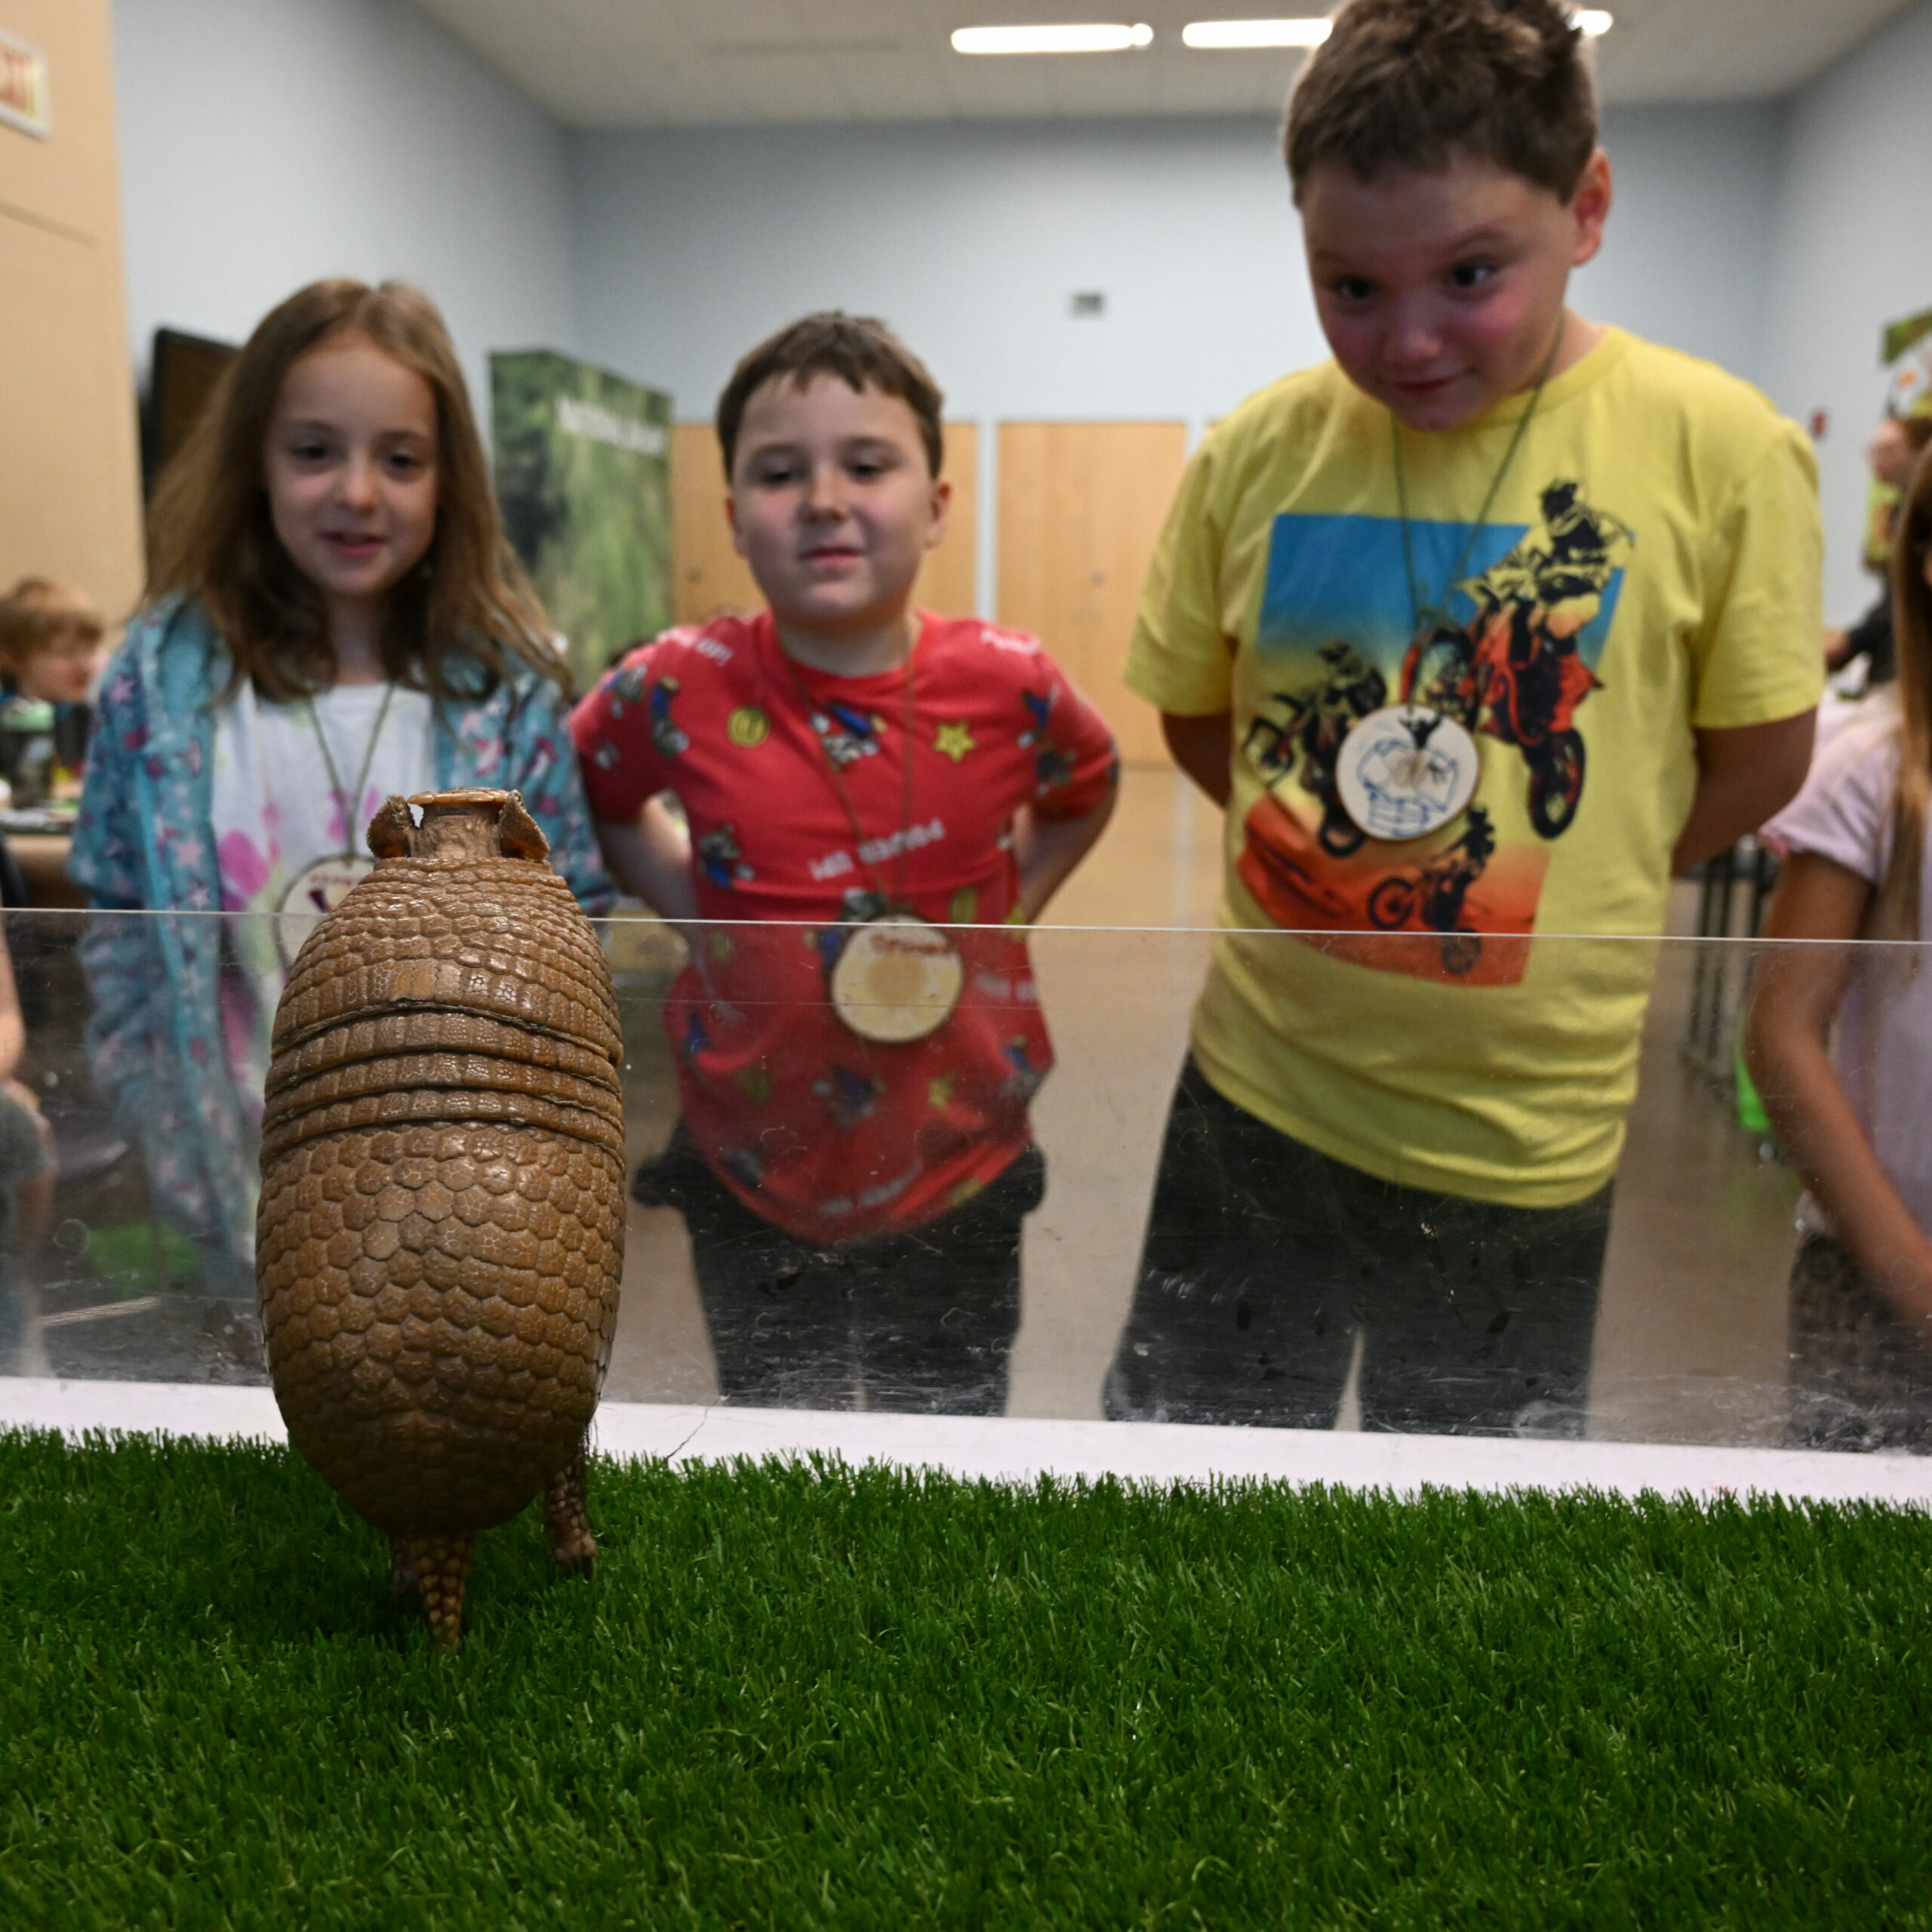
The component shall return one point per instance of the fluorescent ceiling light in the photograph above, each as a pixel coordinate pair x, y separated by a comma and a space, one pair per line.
1255, 33
1594, 21
1083, 38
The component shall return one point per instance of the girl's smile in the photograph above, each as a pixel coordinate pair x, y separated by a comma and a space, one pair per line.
350, 465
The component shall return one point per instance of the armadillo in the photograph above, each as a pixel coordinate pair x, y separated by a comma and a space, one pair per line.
441, 1233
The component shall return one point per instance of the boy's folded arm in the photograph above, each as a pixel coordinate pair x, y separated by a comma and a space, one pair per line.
1745, 775
650, 856
1202, 747
1047, 850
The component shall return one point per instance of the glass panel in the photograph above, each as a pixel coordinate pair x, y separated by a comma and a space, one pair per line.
826, 1220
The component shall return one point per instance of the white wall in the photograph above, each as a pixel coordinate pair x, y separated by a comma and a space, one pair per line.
971, 239
266, 142
1692, 231
1855, 252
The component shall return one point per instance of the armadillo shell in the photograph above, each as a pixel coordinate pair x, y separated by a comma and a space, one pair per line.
508, 943
440, 1239
438, 1303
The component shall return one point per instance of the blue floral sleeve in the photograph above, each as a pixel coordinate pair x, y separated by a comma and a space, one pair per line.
519, 738
107, 861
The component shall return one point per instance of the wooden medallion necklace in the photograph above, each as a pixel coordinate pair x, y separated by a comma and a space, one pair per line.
892, 977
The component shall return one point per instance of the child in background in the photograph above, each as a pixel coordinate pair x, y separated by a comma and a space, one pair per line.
1898, 443
1478, 632
1839, 1041
333, 615
855, 1159
51, 653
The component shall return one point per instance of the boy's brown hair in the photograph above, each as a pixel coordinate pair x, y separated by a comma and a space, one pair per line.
1415, 84
37, 611
861, 351
210, 536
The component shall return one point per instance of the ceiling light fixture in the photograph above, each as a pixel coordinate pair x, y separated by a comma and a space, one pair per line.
1594, 21
1082, 39
1255, 33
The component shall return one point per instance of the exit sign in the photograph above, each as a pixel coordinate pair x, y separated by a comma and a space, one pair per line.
24, 98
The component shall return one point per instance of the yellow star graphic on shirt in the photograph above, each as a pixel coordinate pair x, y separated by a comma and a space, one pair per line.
955, 740
939, 1093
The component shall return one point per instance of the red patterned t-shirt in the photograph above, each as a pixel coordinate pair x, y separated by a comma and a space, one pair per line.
833, 1136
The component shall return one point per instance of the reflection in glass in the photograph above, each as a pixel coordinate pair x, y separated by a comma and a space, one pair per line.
1261, 1307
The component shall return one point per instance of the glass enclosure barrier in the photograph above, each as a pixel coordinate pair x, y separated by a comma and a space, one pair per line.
890, 1168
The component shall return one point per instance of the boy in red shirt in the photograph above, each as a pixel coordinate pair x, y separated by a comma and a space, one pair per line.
855, 1159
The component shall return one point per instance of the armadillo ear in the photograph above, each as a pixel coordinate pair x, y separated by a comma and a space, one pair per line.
519, 836
392, 831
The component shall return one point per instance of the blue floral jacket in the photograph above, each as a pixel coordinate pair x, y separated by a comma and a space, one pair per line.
145, 841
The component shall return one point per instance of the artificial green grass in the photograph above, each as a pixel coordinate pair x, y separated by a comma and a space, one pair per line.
809, 1696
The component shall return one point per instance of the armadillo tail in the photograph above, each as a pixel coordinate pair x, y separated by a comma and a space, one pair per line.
565, 1524
440, 1564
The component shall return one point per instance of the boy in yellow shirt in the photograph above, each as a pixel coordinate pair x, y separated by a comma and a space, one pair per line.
1478, 633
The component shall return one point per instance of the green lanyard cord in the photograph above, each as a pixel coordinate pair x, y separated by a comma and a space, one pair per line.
1418, 612
345, 802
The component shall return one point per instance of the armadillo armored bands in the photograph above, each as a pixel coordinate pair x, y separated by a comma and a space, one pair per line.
441, 1233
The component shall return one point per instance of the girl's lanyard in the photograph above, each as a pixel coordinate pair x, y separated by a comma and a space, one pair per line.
891, 976
1407, 769
321, 885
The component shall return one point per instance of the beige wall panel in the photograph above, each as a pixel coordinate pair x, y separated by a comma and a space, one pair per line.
69, 492
710, 577
69, 486
1080, 505
69, 180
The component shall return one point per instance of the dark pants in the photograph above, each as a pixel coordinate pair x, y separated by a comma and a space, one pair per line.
1860, 1377
1264, 1259
921, 1322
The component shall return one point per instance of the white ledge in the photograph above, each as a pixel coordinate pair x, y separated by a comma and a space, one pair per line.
1019, 1450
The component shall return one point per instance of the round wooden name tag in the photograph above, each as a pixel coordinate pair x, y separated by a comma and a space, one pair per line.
896, 980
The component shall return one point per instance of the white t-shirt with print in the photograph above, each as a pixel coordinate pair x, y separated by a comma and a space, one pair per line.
276, 811
1882, 1045
275, 807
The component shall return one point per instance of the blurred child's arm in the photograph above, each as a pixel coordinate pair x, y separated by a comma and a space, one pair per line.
13, 1025
1202, 748
1047, 850
649, 856
1794, 996
1746, 774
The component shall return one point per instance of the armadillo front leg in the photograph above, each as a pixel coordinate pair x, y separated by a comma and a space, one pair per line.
439, 1564
565, 1524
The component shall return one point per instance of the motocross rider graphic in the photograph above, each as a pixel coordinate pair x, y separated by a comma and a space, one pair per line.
1513, 670
1311, 725
1433, 892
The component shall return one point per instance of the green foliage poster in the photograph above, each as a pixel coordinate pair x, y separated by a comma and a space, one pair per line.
583, 475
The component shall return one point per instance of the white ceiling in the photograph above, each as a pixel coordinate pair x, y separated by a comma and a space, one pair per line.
653, 63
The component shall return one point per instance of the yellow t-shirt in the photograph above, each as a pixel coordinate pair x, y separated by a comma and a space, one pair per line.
1652, 562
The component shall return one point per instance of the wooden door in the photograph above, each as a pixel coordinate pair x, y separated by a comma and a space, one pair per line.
1080, 506
711, 578
949, 586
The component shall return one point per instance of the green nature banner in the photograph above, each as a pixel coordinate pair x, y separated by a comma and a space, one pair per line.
583, 475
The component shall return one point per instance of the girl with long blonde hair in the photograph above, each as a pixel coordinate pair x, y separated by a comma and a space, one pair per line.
1839, 1040
333, 615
